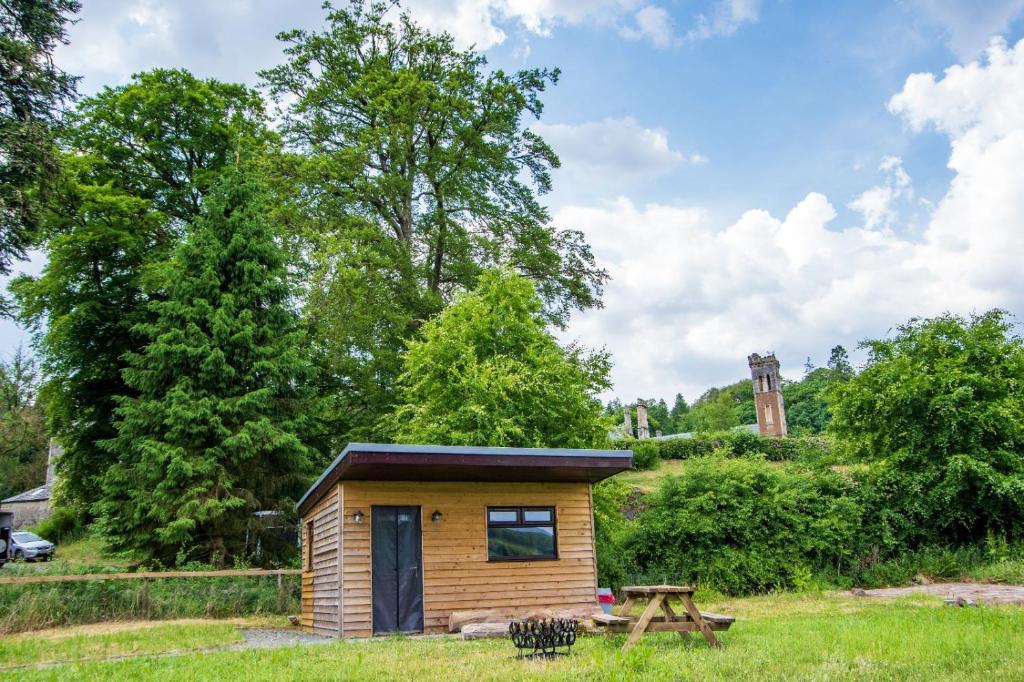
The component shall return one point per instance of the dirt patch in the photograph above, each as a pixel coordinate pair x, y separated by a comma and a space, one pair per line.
982, 593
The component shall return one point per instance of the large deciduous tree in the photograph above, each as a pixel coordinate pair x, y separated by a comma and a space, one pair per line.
940, 409
212, 434
32, 93
139, 161
417, 173
487, 371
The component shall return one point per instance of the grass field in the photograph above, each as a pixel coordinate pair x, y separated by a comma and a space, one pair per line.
776, 637
648, 480
114, 639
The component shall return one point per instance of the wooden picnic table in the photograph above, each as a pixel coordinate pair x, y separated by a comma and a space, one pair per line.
659, 597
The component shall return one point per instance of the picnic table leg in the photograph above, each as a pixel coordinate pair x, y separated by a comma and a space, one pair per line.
671, 616
699, 620
626, 607
645, 618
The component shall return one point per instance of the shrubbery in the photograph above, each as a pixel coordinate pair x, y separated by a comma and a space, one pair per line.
646, 454
939, 412
63, 525
738, 443
741, 526
610, 527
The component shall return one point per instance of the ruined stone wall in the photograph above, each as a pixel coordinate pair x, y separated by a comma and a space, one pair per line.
27, 513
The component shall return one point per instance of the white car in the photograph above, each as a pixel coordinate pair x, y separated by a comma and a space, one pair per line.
29, 546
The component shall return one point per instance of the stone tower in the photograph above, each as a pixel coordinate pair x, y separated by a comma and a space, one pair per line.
642, 428
627, 423
768, 403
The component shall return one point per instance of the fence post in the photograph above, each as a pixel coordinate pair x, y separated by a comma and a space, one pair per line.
144, 598
281, 597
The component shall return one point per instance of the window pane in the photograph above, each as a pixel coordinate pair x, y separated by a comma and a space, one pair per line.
516, 542
537, 515
502, 516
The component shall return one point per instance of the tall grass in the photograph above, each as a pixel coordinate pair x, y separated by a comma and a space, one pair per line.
41, 605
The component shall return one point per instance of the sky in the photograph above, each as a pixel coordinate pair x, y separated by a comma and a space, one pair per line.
756, 175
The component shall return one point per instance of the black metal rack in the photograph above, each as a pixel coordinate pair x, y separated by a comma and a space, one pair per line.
544, 638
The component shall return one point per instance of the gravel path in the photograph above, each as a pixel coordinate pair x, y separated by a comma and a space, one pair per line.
986, 593
265, 638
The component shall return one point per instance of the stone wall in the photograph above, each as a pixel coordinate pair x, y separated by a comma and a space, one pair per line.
27, 513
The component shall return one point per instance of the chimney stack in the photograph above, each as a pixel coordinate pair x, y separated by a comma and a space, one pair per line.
643, 431
627, 422
51, 460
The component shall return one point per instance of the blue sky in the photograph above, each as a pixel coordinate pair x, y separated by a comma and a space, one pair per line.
756, 174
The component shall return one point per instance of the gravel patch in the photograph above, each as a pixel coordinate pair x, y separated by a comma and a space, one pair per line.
985, 593
268, 638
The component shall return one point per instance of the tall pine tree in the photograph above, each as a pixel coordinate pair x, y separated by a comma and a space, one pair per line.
214, 432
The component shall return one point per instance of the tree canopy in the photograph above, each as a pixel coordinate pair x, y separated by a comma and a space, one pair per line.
487, 371
413, 171
33, 92
939, 406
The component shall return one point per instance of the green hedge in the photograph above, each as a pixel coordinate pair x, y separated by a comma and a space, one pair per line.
739, 443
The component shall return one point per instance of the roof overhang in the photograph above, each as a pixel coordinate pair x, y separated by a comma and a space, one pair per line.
381, 462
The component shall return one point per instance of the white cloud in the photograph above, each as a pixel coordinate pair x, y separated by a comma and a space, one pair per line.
229, 39
611, 154
970, 25
876, 204
725, 18
976, 235
689, 299
654, 24
233, 39
479, 22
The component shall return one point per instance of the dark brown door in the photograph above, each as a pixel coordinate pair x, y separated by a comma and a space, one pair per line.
397, 557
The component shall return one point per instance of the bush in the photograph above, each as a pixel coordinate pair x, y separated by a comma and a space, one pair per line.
939, 409
646, 454
610, 526
742, 526
63, 525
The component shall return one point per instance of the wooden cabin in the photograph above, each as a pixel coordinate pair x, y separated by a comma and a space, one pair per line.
397, 537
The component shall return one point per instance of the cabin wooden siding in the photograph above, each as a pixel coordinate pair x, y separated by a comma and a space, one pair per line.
320, 583
456, 573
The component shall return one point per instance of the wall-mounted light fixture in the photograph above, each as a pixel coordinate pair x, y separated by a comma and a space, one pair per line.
357, 517
436, 516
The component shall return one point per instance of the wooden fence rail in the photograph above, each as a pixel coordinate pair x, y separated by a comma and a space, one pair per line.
146, 575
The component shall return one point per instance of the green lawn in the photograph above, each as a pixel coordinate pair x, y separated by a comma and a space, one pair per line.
648, 480
775, 637
115, 639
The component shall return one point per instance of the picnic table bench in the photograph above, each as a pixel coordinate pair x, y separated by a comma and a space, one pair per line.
658, 598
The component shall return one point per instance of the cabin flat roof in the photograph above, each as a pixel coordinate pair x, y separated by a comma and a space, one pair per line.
385, 462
